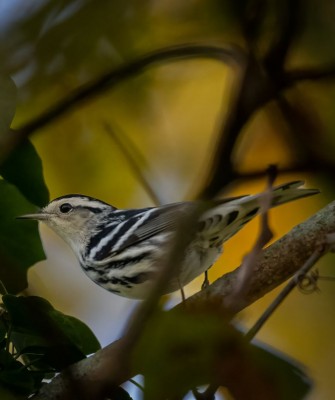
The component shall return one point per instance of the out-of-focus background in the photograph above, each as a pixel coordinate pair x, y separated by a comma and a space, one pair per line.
171, 113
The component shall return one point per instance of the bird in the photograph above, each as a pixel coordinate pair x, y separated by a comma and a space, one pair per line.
121, 249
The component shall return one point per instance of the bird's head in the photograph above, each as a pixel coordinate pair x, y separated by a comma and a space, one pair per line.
73, 217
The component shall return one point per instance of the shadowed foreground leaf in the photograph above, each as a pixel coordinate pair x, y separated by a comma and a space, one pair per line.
289, 376
23, 168
57, 340
200, 347
20, 244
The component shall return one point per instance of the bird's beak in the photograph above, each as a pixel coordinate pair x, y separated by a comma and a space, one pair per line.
39, 216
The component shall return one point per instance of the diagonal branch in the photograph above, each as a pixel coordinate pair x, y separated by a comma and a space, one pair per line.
231, 55
228, 54
98, 374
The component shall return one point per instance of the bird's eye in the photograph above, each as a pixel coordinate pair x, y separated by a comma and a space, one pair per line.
65, 208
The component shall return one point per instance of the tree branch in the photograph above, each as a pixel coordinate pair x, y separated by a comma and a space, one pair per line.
98, 374
226, 54
231, 55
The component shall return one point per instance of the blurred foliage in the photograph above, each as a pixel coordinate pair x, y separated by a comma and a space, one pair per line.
173, 114
201, 346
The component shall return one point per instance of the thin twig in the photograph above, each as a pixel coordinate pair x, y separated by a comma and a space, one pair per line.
131, 153
3, 289
265, 235
318, 252
182, 292
326, 278
250, 260
228, 54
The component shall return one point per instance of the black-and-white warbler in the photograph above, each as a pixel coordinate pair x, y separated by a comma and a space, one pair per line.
120, 249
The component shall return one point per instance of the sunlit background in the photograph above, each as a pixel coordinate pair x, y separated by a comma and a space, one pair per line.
170, 113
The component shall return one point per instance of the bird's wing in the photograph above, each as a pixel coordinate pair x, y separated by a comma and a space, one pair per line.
219, 220
167, 219
153, 222
140, 225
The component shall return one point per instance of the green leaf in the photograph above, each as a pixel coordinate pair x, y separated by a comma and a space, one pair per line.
23, 168
38, 327
287, 374
20, 244
77, 332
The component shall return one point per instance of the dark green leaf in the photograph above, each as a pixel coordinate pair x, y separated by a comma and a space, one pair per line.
57, 339
77, 332
20, 244
288, 376
23, 168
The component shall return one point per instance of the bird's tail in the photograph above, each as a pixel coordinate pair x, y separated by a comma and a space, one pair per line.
290, 191
231, 214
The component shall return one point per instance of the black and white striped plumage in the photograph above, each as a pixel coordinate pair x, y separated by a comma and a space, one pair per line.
120, 249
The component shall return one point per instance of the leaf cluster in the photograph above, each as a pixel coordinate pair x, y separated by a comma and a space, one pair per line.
38, 341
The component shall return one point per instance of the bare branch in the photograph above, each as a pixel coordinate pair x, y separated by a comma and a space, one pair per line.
288, 25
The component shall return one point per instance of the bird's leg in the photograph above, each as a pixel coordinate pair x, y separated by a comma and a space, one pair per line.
205, 282
183, 298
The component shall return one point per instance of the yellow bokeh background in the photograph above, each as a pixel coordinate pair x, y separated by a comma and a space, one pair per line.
171, 114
